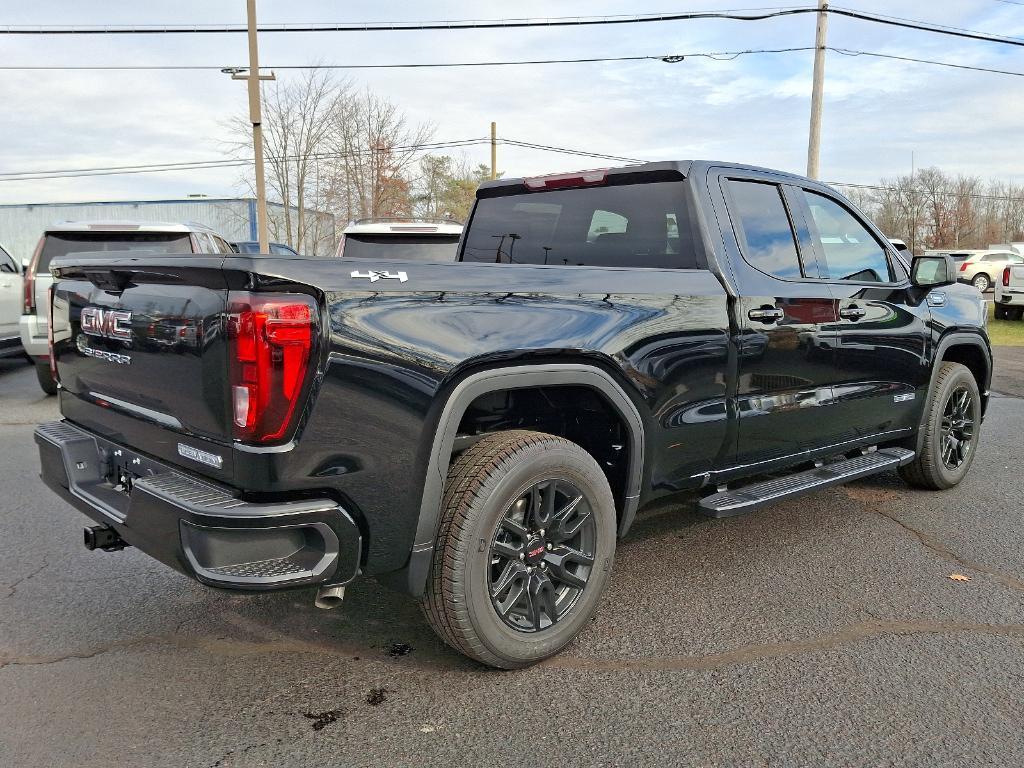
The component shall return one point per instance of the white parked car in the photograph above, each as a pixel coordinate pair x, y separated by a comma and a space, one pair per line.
397, 238
96, 236
10, 305
1010, 293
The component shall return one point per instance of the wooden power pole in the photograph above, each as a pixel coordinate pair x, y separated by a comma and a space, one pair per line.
494, 150
254, 77
817, 95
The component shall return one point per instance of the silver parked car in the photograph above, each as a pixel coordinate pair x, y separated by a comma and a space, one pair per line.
982, 269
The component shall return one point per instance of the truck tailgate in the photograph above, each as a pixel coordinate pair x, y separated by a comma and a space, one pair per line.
141, 341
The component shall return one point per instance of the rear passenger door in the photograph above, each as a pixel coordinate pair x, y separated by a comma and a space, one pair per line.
881, 378
786, 316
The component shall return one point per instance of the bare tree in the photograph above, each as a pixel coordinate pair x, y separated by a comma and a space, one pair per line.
374, 150
298, 120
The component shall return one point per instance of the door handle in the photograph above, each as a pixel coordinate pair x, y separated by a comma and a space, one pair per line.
766, 314
852, 313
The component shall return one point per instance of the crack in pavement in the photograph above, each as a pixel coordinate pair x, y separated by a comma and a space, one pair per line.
221, 645
12, 588
748, 654
937, 547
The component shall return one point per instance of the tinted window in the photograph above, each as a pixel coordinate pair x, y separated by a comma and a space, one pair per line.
408, 247
7, 264
629, 225
762, 218
851, 251
63, 243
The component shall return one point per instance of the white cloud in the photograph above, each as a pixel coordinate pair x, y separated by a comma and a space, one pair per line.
753, 109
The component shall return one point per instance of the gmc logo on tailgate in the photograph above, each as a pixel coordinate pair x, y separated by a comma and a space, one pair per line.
107, 323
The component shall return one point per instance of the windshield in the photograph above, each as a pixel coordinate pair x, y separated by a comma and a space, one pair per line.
411, 247
63, 243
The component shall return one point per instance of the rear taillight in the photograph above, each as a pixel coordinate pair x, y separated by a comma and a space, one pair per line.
1006, 276
28, 305
963, 266
49, 334
272, 339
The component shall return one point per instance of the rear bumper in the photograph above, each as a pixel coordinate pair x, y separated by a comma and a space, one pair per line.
34, 335
194, 526
1010, 298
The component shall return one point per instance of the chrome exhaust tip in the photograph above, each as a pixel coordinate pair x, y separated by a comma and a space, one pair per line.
329, 597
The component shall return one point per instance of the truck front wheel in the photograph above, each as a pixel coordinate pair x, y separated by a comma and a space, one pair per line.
952, 423
524, 550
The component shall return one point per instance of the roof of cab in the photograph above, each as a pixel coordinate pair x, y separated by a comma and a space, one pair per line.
663, 169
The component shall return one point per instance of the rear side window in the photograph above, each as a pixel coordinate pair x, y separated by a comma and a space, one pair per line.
628, 225
762, 218
850, 249
63, 243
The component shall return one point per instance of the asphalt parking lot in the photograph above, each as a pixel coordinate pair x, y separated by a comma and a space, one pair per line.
823, 631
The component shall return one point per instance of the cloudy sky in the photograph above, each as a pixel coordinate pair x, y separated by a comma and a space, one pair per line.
752, 109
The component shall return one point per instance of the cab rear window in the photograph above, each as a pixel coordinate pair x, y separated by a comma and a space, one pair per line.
62, 243
628, 225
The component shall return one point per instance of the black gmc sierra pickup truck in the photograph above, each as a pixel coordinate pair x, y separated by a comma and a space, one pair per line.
480, 433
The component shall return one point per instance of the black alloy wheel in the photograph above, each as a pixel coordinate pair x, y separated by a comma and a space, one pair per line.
542, 554
957, 427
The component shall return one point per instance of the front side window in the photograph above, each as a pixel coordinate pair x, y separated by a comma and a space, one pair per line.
850, 249
625, 225
760, 214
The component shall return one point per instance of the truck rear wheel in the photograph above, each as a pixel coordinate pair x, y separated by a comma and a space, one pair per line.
1001, 312
524, 550
45, 377
952, 424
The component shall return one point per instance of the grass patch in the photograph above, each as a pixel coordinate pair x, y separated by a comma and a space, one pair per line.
1004, 333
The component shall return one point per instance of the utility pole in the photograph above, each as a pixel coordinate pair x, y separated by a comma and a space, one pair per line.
494, 150
256, 118
817, 95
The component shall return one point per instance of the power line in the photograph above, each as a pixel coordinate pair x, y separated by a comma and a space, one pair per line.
668, 58
477, 24
406, 26
72, 173
854, 53
199, 165
882, 188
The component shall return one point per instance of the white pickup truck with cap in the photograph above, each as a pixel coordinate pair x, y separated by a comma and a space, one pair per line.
1010, 293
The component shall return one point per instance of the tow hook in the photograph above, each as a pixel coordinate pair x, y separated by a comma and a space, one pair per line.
104, 537
329, 597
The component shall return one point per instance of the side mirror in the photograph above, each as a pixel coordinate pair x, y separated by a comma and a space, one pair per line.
25, 265
932, 271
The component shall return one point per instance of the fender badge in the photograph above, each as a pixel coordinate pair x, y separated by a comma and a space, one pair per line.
904, 397
373, 275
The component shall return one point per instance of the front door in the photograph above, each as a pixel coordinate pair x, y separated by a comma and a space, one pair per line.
881, 332
786, 318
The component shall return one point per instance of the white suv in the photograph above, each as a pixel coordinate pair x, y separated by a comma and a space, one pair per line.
96, 236
397, 238
10, 305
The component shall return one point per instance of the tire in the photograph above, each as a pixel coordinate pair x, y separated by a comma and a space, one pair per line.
46, 382
982, 282
930, 468
1002, 312
488, 488
1014, 313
